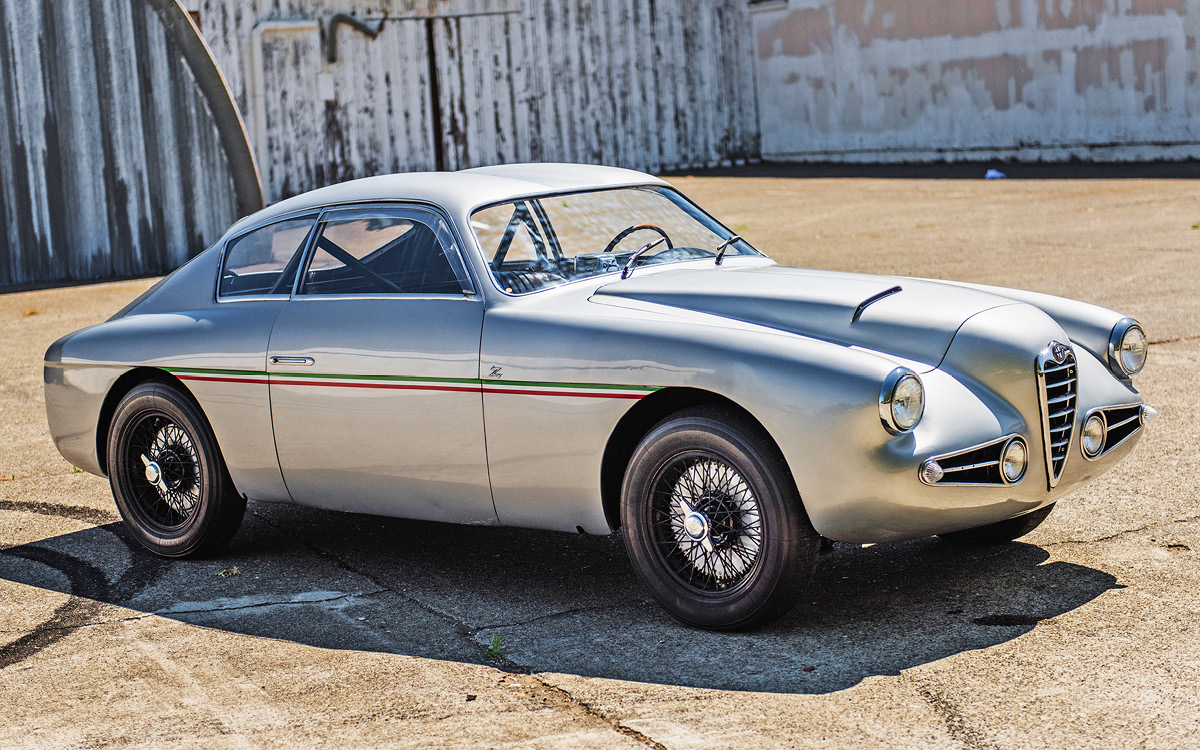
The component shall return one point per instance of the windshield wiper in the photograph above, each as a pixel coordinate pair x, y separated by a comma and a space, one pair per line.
725, 246
627, 271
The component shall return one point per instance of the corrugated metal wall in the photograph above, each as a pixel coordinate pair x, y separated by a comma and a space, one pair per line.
649, 84
113, 162
893, 80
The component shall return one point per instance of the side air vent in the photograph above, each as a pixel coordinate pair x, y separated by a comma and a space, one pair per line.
978, 465
1120, 423
1057, 386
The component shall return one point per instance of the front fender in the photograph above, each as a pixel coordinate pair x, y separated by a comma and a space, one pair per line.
1087, 325
545, 450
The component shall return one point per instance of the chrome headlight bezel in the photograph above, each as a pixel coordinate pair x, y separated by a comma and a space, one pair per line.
1116, 342
887, 401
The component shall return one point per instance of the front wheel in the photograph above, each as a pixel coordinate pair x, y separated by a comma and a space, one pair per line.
167, 475
1001, 531
713, 524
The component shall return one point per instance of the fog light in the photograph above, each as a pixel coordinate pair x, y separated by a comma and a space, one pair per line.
931, 472
1093, 436
1014, 460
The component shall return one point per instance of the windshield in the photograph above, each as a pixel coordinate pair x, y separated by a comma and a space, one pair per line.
537, 243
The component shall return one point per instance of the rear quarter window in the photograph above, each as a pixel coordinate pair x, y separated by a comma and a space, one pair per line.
264, 261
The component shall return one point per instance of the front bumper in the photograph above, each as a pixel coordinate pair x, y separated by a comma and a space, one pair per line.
910, 508
984, 392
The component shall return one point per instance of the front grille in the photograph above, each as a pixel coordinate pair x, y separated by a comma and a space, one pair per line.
1057, 378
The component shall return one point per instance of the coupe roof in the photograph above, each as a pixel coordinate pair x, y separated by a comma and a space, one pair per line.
458, 192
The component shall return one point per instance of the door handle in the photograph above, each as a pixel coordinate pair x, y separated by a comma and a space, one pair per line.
300, 361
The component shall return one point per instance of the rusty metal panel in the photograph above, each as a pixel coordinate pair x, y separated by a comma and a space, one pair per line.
114, 163
315, 123
892, 80
655, 85
650, 84
480, 62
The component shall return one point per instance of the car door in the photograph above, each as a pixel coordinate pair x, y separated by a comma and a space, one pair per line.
374, 371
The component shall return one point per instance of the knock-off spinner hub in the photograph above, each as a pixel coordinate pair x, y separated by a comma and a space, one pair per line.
695, 525
153, 472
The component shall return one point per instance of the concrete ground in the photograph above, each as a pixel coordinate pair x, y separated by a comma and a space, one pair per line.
329, 630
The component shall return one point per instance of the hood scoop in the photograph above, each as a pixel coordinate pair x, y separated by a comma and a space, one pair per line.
906, 318
858, 311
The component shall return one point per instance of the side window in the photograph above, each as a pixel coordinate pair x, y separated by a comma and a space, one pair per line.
379, 255
265, 260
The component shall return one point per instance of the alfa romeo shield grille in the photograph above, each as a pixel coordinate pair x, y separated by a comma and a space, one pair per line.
1058, 383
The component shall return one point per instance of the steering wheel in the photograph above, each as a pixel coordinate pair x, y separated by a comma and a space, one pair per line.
635, 228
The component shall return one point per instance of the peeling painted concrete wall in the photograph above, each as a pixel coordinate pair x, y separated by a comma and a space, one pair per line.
114, 163
650, 84
897, 80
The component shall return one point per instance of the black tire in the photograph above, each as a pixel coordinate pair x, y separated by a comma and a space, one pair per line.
1001, 531
749, 551
192, 509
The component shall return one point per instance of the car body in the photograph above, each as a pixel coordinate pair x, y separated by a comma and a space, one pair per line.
477, 402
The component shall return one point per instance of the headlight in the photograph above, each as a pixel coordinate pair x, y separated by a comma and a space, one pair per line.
1127, 348
901, 401
1014, 460
1093, 436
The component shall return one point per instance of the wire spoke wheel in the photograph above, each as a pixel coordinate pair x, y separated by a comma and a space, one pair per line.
706, 520
162, 468
713, 524
167, 474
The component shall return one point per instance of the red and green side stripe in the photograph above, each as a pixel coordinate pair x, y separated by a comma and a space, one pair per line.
404, 382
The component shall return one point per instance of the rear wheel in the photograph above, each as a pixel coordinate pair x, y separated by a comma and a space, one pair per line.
1001, 531
713, 523
167, 475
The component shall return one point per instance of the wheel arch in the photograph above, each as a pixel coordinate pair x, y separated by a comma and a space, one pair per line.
122, 386
637, 423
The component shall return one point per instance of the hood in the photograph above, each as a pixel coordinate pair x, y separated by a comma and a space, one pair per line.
916, 323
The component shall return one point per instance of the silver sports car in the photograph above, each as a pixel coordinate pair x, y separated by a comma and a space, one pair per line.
584, 349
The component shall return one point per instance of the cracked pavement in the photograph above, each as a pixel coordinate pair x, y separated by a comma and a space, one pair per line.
339, 630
